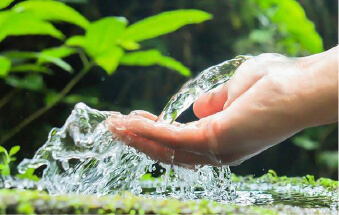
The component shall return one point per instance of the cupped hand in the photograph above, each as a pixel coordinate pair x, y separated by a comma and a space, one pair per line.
269, 98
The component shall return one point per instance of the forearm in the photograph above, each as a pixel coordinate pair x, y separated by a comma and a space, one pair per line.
321, 87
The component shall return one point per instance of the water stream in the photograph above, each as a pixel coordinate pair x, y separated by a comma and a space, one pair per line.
84, 157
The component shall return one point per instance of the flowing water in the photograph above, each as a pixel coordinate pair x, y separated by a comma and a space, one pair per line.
84, 157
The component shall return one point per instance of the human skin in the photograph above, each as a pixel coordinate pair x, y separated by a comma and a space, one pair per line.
269, 98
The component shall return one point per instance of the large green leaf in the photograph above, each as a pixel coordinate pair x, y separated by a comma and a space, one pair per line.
103, 34
5, 66
17, 24
52, 10
31, 82
109, 60
164, 23
290, 18
5, 3
152, 57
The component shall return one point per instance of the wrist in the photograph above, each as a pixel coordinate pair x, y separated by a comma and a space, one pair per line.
320, 88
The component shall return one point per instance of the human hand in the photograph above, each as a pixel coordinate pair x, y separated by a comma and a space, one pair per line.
269, 98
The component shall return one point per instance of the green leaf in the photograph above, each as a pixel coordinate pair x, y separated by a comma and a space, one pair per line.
153, 57
30, 68
31, 82
5, 66
109, 60
296, 25
53, 11
103, 34
17, 24
305, 142
79, 41
3, 151
43, 58
29, 174
56, 52
164, 23
14, 150
5, 3
4, 169
129, 45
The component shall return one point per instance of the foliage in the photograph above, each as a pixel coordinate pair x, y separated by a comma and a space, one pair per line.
6, 158
272, 178
106, 42
291, 20
29, 202
293, 34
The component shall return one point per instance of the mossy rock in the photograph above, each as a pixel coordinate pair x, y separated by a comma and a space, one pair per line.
37, 202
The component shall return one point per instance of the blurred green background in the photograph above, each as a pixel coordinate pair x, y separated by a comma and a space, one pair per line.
237, 27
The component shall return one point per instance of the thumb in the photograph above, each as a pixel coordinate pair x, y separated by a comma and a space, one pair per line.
211, 102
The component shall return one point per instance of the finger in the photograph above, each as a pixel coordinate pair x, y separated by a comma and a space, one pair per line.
211, 102
163, 154
187, 137
244, 78
145, 114
149, 116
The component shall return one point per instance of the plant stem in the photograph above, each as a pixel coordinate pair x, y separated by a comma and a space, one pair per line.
44, 109
8, 97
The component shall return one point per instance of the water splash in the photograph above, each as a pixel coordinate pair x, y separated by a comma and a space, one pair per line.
205, 81
84, 157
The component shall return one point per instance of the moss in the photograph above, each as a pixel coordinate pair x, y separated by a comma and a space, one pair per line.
29, 202
272, 178
38, 202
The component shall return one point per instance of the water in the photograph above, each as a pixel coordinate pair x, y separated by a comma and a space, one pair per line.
205, 81
84, 157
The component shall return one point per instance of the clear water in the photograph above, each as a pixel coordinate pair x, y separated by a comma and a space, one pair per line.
205, 81
84, 157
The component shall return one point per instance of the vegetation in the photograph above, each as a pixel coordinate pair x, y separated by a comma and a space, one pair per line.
37, 202
105, 42
272, 178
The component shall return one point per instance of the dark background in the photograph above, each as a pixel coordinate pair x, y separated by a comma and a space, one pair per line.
149, 88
